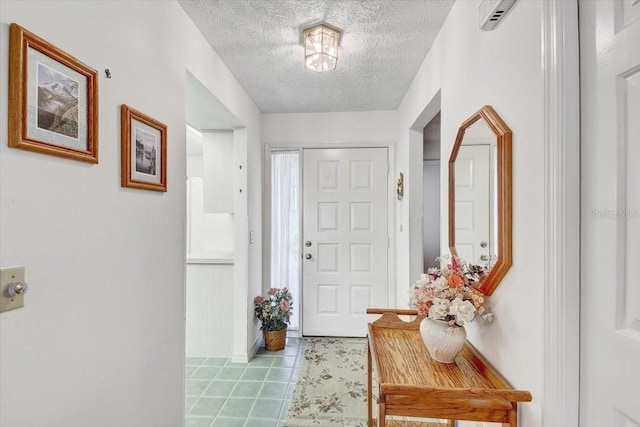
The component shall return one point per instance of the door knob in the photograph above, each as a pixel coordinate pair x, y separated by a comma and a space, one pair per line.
308, 256
484, 257
307, 243
483, 244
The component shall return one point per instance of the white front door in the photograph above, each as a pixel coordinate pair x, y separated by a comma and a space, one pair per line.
472, 194
345, 239
610, 216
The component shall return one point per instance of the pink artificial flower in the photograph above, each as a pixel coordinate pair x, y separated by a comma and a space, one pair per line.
284, 305
272, 291
424, 299
258, 299
423, 309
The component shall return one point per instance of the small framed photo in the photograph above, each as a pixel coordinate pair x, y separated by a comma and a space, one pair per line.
144, 151
53, 99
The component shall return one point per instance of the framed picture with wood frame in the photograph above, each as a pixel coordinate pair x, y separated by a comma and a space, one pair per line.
53, 99
144, 151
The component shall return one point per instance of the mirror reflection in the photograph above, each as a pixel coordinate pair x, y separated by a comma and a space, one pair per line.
475, 196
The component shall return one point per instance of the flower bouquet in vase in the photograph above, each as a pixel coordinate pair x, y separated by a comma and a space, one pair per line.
274, 311
446, 298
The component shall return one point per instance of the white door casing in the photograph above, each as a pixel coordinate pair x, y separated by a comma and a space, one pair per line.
472, 202
345, 223
610, 216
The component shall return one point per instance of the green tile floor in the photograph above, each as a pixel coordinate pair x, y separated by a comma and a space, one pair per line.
255, 394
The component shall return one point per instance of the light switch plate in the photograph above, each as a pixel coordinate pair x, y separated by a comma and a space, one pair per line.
7, 276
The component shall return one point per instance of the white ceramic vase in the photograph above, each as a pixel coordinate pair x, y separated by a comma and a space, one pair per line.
443, 341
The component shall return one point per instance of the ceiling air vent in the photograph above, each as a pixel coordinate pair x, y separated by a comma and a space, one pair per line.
492, 12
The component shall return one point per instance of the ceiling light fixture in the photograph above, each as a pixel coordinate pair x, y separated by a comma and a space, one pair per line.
320, 48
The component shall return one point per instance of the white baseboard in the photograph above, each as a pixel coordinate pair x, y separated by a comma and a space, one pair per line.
240, 357
259, 342
294, 333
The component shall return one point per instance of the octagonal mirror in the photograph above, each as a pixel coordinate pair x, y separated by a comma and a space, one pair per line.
480, 196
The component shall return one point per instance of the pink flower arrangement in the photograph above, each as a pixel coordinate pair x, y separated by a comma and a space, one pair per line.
447, 293
274, 310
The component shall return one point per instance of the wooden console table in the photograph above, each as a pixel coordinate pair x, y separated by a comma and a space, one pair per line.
411, 384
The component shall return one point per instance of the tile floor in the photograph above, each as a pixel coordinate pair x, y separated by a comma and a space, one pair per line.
220, 393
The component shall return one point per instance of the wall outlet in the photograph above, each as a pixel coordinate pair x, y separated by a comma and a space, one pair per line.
8, 276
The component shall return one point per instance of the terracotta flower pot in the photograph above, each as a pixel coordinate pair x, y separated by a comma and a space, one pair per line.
274, 340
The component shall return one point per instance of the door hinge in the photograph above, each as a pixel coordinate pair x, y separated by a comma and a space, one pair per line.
388, 242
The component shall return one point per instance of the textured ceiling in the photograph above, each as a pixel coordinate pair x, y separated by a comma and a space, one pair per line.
382, 45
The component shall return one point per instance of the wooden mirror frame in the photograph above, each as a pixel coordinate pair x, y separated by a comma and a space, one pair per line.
490, 282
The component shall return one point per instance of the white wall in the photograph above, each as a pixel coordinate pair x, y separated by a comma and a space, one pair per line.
209, 288
209, 235
316, 129
501, 68
101, 339
210, 195
217, 156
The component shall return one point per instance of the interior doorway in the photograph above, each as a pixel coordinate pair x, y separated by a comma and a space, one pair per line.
431, 193
215, 246
410, 268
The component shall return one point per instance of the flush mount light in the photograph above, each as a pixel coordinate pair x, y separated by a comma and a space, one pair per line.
320, 48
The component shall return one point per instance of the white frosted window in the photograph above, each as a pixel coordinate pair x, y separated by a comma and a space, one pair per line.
285, 225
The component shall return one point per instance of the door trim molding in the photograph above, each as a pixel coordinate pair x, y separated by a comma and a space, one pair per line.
266, 204
561, 363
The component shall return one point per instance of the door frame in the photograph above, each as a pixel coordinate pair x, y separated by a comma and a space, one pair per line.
266, 208
561, 354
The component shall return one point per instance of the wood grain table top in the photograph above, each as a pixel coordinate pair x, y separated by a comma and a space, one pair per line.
404, 366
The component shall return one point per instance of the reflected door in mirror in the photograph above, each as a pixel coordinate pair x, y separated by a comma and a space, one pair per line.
473, 202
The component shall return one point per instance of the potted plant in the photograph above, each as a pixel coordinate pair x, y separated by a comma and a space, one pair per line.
447, 299
274, 311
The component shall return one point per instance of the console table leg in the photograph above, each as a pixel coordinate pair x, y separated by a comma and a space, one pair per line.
513, 416
369, 388
382, 414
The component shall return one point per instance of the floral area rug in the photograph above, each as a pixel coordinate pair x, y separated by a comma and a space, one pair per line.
332, 385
